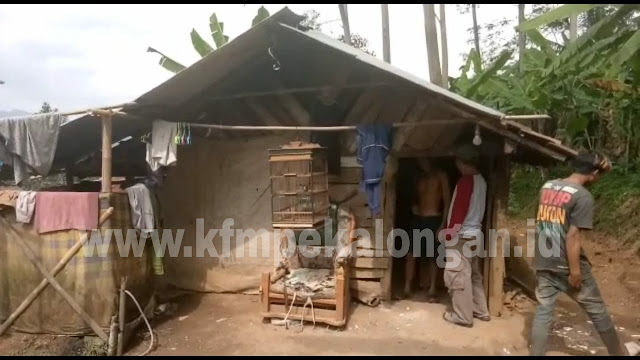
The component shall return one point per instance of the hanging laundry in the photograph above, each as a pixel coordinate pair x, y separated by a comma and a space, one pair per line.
29, 143
374, 142
25, 206
143, 210
163, 149
142, 214
57, 211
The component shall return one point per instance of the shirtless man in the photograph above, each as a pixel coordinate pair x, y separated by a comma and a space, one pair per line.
431, 202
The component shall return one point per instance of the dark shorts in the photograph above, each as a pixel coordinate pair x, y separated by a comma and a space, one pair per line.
420, 223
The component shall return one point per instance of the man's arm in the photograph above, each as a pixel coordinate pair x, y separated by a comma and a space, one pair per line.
573, 256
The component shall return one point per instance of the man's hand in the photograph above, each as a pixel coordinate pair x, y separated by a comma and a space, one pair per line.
575, 280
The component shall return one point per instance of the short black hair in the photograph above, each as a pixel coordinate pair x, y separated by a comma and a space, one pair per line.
586, 163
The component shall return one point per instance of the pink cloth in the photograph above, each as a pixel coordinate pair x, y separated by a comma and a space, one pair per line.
57, 211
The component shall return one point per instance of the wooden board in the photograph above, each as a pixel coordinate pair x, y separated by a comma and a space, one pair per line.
366, 286
340, 192
370, 253
347, 176
367, 273
371, 263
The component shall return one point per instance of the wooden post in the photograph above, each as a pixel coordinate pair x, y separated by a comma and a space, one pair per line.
498, 214
121, 315
106, 152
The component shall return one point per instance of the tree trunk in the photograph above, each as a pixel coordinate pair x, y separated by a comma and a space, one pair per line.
431, 34
476, 31
344, 15
522, 39
445, 47
573, 27
386, 41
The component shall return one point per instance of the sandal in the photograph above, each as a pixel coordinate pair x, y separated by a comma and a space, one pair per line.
447, 317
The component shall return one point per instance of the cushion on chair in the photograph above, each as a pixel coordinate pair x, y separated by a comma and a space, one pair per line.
307, 283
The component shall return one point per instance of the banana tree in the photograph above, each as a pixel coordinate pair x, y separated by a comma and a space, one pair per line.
203, 47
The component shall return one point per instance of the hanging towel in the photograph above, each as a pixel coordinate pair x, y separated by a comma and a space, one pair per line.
143, 210
25, 206
374, 142
163, 150
57, 211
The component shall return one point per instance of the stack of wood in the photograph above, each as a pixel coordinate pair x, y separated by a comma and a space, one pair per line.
370, 269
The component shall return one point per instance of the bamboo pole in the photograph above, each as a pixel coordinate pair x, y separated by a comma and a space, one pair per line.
56, 269
107, 140
319, 128
527, 117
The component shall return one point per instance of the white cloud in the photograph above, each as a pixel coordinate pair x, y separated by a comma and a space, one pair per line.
77, 56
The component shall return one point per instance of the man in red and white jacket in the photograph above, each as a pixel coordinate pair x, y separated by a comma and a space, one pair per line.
463, 278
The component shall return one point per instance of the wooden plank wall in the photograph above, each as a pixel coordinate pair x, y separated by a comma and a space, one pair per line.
369, 273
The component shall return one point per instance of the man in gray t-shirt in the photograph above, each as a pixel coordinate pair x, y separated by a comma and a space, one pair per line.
562, 204
566, 209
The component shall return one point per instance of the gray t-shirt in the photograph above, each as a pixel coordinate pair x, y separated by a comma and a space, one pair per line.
561, 205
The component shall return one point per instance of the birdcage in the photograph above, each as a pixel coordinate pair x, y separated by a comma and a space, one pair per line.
299, 186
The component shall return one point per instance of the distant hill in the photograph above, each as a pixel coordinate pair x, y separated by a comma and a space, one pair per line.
13, 113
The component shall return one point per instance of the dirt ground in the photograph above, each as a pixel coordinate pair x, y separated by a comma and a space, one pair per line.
230, 325
225, 324
617, 271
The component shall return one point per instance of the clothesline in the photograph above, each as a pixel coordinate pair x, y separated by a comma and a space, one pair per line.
320, 128
75, 112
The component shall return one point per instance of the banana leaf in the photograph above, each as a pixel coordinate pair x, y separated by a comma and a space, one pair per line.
559, 13
217, 31
202, 47
481, 78
629, 49
168, 63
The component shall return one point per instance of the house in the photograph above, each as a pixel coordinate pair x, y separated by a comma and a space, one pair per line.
280, 82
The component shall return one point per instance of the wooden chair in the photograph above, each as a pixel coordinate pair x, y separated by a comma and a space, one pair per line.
285, 296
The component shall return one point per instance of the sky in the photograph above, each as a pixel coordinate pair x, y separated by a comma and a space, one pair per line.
82, 56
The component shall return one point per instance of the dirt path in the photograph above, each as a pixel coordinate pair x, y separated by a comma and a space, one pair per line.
226, 324
231, 325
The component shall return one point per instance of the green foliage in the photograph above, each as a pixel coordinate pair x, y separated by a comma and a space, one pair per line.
46, 108
203, 47
590, 86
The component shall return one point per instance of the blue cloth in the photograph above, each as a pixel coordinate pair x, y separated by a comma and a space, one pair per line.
374, 142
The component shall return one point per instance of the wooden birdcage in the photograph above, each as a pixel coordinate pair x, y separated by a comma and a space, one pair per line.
299, 186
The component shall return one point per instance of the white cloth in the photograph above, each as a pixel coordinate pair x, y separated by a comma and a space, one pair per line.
163, 150
25, 205
142, 215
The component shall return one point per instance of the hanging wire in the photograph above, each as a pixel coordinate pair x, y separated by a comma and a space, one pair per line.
276, 66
